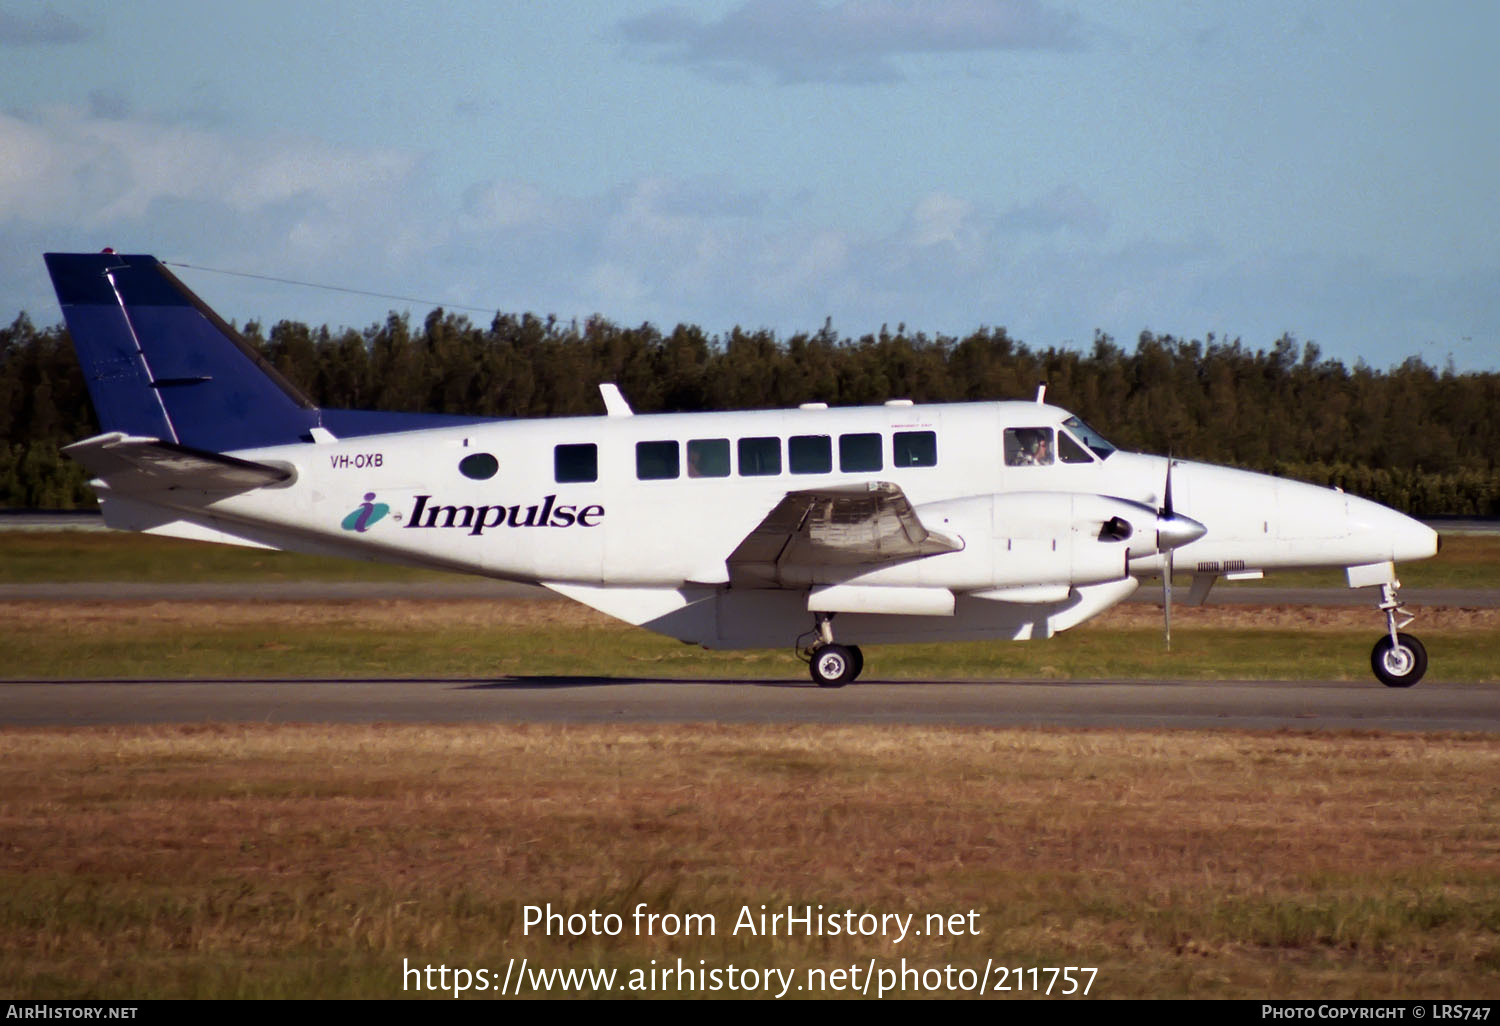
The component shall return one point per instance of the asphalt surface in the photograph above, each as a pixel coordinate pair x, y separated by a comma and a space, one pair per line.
1430, 706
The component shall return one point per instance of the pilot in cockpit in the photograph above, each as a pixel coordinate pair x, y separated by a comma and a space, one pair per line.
1041, 453
1028, 447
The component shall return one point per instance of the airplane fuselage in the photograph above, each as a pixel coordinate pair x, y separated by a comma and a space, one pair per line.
640, 515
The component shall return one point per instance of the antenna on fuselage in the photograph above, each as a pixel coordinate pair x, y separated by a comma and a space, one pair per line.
614, 402
1041, 391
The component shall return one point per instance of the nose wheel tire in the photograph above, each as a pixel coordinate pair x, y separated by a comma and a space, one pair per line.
1398, 664
833, 666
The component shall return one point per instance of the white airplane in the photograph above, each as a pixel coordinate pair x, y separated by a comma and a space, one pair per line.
824, 528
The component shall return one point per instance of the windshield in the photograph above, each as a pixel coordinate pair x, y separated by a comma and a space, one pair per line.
1091, 438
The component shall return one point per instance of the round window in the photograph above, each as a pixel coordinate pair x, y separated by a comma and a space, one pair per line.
480, 466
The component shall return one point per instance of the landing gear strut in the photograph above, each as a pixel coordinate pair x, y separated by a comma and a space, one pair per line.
832, 665
1399, 660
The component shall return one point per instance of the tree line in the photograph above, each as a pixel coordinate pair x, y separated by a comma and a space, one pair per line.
1422, 440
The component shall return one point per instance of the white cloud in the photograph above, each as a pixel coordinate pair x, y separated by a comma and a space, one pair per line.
668, 249
940, 218
292, 207
494, 206
62, 164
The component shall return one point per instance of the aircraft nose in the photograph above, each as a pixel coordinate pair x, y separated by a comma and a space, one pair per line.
1406, 538
1414, 540
1176, 530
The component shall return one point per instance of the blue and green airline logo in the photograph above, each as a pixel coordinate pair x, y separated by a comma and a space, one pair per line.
367, 513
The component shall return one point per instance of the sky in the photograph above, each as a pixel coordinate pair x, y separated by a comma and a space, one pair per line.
1326, 169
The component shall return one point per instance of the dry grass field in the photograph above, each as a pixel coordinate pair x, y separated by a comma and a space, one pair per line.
489, 639
310, 861
460, 615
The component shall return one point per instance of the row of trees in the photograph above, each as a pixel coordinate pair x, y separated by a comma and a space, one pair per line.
1421, 440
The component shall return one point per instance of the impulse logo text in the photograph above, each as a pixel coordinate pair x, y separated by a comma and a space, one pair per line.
367, 513
476, 518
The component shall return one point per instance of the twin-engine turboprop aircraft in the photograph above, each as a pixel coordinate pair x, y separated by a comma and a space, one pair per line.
824, 528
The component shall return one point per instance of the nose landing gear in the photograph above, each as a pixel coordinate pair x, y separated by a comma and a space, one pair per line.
1399, 660
832, 665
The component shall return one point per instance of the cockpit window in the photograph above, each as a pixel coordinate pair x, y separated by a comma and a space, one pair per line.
1070, 451
1028, 447
1091, 438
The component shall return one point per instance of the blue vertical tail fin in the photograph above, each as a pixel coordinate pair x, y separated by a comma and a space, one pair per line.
159, 363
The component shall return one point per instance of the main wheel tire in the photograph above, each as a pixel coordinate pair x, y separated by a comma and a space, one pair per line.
1398, 665
859, 662
833, 666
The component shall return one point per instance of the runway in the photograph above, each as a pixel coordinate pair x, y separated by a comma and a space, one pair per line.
1431, 706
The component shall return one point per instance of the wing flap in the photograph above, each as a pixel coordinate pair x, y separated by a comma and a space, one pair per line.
847, 526
129, 463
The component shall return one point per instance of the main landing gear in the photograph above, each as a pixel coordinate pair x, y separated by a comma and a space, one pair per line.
832, 665
1399, 660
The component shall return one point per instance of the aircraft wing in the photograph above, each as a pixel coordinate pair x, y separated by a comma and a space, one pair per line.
853, 525
132, 464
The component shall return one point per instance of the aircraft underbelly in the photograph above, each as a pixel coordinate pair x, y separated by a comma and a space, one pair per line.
767, 618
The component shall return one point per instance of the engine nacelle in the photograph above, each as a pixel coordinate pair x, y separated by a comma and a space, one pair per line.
1050, 539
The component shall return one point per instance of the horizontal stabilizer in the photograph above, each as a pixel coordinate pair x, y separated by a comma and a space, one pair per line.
130, 464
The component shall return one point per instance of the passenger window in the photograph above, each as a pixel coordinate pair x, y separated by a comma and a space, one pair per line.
479, 466
1070, 451
571, 463
810, 454
708, 457
859, 453
657, 461
914, 449
760, 457
1028, 447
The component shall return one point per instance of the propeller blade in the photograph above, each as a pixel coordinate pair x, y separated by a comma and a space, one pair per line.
1166, 600
1175, 533
1166, 506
